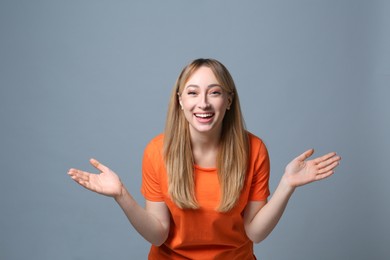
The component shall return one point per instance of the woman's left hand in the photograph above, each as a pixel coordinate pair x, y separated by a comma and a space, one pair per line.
301, 171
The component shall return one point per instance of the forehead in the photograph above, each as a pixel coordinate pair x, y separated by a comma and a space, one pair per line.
203, 76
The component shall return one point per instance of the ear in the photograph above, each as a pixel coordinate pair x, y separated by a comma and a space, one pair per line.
230, 99
179, 99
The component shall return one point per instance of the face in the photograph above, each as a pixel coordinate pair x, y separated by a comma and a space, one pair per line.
204, 102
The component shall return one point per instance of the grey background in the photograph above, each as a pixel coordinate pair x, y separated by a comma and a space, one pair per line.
83, 79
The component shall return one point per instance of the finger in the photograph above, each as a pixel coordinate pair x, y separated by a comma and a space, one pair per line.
328, 168
324, 175
79, 175
329, 161
82, 178
324, 157
305, 155
95, 163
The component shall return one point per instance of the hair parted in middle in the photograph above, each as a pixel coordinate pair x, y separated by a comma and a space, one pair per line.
233, 154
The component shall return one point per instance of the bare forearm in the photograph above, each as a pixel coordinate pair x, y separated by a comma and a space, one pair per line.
143, 221
268, 217
299, 171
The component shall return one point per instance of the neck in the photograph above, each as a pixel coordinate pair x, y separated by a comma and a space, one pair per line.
205, 148
205, 141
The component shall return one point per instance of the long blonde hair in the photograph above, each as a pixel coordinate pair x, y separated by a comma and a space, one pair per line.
232, 159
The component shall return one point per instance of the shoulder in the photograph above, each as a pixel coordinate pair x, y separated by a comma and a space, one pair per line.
257, 148
155, 145
255, 142
157, 140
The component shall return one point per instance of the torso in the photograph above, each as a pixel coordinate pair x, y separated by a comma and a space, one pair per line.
205, 233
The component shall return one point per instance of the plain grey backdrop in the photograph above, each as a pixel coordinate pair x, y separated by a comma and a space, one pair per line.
83, 79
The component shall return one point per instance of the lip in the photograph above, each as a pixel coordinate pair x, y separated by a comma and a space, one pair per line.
204, 114
204, 119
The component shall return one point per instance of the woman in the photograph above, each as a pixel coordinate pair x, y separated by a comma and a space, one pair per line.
205, 180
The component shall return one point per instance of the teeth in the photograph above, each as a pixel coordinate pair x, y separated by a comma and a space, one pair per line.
203, 115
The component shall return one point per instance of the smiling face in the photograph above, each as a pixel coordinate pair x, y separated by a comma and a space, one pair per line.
204, 102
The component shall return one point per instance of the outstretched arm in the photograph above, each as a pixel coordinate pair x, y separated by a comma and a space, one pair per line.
260, 218
152, 222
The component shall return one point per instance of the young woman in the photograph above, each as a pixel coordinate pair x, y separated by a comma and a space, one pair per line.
205, 180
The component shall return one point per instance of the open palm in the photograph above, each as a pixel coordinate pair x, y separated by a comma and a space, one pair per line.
106, 182
301, 171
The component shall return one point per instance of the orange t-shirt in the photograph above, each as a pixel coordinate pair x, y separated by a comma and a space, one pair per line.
205, 233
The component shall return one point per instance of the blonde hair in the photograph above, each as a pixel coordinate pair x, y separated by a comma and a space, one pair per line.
233, 153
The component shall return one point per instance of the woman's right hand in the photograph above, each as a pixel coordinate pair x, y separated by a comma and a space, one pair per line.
105, 183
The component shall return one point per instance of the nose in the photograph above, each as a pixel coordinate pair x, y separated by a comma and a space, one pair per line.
203, 102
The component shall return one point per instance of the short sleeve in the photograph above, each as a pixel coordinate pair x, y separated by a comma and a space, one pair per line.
151, 163
261, 171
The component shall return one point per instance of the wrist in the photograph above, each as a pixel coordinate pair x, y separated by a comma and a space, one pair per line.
286, 184
123, 192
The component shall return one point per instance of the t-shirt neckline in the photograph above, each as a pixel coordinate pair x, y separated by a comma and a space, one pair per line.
205, 169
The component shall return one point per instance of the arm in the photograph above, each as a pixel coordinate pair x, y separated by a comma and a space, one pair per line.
152, 222
260, 217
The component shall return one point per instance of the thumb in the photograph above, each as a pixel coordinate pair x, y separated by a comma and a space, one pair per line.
95, 163
305, 155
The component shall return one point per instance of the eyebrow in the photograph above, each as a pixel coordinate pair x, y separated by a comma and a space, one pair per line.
209, 86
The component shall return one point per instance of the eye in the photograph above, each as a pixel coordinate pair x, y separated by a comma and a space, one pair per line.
215, 92
191, 93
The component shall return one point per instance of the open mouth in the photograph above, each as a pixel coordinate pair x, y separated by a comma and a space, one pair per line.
204, 115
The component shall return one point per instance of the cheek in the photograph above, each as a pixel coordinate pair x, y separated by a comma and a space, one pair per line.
222, 106
188, 115
187, 104
187, 108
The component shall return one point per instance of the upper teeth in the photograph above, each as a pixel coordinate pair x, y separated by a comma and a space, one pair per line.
204, 115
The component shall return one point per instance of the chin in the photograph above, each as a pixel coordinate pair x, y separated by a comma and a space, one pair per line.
204, 129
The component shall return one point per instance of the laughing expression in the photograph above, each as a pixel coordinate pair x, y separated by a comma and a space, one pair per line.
204, 102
